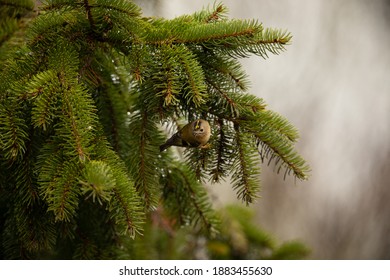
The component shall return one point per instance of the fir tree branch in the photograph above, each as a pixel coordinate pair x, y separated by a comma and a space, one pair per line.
13, 132
128, 221
125, 206
194, 73
217, 13
224, 33
34, 228
112, 127
143, 160
43, 90
143, 184
97, 181
270, 40
227, 104
275, 140
61, 191
223, 147
23, 173
185, 199
225, 71
245, 176
167, 82
76, 128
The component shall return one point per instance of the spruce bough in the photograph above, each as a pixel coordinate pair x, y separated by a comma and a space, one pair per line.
88, 92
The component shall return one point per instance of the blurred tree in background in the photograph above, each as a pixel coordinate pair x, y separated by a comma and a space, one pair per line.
88, 92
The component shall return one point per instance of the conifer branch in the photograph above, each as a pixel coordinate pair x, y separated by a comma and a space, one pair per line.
150, 202
33, 228
97, 181
43, 90
125, 206
228, 104
113, 125
23, 172
60, 189
143, 158
131, 226
226, 71
223, 149
13, 135
195, 204
228, 32
187, 200
245, 176
275, 140
217, 13
167, 83
194, 73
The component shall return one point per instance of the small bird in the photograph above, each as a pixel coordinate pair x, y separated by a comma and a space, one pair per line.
195, 134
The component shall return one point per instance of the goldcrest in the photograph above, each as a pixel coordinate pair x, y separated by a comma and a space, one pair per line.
194, 134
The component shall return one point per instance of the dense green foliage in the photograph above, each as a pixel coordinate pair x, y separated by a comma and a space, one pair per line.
89, 89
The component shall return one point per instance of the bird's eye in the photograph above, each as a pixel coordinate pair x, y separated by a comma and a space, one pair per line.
201, 129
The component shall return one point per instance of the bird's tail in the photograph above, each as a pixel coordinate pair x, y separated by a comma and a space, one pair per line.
175, 140
164, 146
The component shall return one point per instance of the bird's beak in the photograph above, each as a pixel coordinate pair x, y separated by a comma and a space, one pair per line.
197, 124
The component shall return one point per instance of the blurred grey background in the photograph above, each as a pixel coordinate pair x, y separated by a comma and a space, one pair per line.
333, 84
